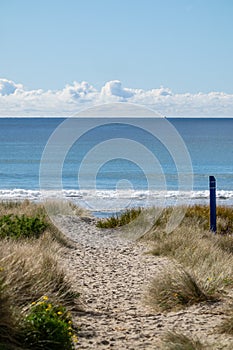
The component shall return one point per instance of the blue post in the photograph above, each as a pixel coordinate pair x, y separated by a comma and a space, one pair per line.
212, 186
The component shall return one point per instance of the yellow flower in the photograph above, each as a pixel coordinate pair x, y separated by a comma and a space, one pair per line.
70, 333
74, 338
34, 303
59, 313
69, 322
45, 297
48, 307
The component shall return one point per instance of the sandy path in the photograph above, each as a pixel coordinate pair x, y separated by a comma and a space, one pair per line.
113, 275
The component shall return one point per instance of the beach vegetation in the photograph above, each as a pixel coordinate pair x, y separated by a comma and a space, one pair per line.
206, 258
30, 220
47, 326
121, 219
30, 269
226, 326
8, 324
174, 340
173, 288
61, 207
16, 227
198, 215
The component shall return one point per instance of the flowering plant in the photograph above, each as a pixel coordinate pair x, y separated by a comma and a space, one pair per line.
48, 326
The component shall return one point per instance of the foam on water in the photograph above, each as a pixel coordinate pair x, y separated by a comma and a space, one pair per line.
110, 200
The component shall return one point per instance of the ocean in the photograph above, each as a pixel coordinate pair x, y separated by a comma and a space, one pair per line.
113, 164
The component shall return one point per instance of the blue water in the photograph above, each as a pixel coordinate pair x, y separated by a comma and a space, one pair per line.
23, 140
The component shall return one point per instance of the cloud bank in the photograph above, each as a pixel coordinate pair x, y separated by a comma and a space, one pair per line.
16, 100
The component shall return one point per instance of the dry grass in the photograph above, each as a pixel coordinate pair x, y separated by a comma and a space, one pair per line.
199, 252
30, 209
29, 269
173, 340
226, 327
32, 270
7, 320
198, 216
207, 258
60, 207
174, 288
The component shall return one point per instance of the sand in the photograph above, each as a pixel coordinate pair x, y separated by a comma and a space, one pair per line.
113, 275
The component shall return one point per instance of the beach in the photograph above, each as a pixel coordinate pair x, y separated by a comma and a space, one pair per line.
113, 275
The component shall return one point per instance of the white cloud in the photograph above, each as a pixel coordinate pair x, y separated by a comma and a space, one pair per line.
114, 89
15, 100
8, 87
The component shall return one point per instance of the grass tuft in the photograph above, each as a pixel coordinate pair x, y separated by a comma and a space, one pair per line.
174, 288
226, 327
173, 340
32, 269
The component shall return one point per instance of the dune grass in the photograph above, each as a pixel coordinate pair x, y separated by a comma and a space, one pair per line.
174, 288
206, 258
226, 327
30, 246
32, 270
174, 340
8, 325
121, 219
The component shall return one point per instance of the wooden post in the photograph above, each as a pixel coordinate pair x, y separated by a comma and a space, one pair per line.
212, 187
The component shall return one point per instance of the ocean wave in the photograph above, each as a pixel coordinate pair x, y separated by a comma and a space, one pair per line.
135, 197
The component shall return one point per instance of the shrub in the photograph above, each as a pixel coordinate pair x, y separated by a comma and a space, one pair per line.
48, 327
15, 226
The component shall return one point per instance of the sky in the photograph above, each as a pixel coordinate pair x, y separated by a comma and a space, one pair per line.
58, 56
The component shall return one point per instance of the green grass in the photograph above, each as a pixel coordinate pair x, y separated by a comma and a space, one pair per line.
119, 220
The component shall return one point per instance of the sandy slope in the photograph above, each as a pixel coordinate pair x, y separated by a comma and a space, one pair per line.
113, 275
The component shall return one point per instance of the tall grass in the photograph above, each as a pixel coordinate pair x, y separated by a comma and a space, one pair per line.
29, 270
206, 257
174, 288
7, 320
32, 270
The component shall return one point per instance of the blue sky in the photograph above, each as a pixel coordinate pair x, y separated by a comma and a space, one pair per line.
185, 46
